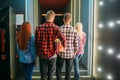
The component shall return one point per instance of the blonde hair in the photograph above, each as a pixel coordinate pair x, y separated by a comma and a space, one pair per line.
67, 17
79, 28
24, 35
50, 14
79, 25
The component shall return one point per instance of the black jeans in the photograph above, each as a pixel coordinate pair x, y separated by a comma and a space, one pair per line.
47, 67
59, 65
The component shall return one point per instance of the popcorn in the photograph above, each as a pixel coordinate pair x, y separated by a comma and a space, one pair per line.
58, 45
57, 40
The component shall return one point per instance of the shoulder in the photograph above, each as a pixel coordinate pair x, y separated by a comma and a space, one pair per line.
56, 27
84, 34
37, 27
72, 28
62, 27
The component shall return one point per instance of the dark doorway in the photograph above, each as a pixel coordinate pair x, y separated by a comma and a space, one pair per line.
84, 66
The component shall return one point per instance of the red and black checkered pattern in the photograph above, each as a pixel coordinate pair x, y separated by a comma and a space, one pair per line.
45, 36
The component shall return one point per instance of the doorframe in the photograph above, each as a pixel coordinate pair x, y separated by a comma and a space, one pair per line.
73, 8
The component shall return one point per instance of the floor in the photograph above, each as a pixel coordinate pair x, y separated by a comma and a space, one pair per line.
82, 78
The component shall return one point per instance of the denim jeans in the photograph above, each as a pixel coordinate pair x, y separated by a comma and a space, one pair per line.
47, 67
59, 65
28, 70
76, 66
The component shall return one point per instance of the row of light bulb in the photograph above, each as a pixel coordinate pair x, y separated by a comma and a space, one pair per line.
110, 51
101, 3
111, 24
108, 77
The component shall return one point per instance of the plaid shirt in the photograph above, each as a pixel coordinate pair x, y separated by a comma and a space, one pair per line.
82, 41
71, 41
45, 36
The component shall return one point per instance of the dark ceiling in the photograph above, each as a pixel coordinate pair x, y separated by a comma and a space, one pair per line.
58, 6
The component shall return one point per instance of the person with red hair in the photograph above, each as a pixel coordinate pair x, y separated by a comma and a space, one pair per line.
26, 49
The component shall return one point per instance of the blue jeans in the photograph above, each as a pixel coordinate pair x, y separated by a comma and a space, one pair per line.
47, 67
76, 66
59, 65
28, 70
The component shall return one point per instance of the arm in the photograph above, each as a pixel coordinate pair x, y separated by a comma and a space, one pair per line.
18, 50
76, 42
84, 39
33, 51
61, 37
36, 38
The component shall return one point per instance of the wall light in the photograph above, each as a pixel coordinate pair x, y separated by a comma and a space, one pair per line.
100, 47
100, 25
111, 24
99, 69
101, 3
109, 77
118, 56
118, 21
110, 51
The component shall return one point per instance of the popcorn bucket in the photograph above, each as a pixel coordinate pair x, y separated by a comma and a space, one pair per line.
58, 46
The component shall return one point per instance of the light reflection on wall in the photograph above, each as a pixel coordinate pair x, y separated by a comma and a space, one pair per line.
100, 25
106, 54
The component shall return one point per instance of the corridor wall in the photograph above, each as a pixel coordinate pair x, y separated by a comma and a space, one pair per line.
7, 49
106, 58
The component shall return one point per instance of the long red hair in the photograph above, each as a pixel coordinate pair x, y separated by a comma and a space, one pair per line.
24, 35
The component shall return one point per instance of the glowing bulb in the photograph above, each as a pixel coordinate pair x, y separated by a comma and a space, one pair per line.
110, 51
99, 69
118, 22
100, 47
101, 3
118, 56
109, 77
111, 24
100, 25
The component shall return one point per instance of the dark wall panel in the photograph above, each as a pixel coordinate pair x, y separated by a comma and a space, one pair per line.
7, 49
107, 59
17, 5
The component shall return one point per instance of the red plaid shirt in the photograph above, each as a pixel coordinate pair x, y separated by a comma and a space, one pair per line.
45, 36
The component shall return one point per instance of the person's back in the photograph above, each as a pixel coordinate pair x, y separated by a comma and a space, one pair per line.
47, 33
71, 40
26, 49
45, 36
70, 50
28, 55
